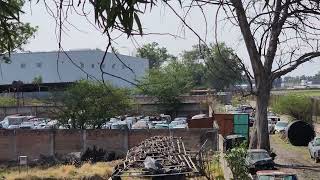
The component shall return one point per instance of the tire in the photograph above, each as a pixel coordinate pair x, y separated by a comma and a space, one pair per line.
310, 154
316, 159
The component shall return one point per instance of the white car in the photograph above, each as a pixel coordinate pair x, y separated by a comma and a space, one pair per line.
314, 149
178, 124
280, 126
27, 125
13, 126
180, 119
141, 125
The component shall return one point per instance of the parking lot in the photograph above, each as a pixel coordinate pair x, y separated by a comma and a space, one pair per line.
294, 159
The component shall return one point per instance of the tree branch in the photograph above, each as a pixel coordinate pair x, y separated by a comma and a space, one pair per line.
302, 59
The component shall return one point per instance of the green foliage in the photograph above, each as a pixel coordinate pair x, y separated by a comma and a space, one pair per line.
7, 101
13, 33
156, 55
224, 68
220, 68
121, 15
296, 105
236, 159
37, 80
90, 104
167, 84
199, 70
214, 169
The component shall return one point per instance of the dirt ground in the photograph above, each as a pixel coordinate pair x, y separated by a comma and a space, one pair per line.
294, 159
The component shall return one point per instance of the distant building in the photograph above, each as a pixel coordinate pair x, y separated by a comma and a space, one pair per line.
76, 65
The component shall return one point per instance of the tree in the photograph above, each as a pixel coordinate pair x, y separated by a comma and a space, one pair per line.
220, 69
167, 84
91, 104
13, 33
279, 36
194, 61
277, 30
156, 55
37, 81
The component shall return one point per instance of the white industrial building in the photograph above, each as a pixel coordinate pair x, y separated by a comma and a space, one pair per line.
76, 65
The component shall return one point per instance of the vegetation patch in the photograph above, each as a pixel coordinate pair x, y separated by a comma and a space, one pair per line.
100, 170
214, 169
297, 106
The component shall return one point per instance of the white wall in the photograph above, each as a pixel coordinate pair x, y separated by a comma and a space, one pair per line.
68, 71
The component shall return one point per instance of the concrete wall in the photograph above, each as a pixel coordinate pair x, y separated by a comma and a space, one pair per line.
224, 164
32, 143
184, 110
42, 111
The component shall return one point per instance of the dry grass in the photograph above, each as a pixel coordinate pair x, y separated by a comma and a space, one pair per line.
301, 150
101, 169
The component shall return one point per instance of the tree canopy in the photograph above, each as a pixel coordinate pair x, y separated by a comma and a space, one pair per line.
91, 104
167, 84
13, 33
215, 66
156, 55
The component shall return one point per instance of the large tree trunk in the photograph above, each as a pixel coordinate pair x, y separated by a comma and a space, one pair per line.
260, 134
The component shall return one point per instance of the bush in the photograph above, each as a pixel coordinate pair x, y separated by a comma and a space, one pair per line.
236, 158
297, 106
7, 101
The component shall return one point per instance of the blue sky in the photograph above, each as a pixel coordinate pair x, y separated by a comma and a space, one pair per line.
161, 19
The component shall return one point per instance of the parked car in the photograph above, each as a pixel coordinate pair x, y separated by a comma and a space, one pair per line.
234, 140
259, 159
314, 149
251, 121
178, 122
280, 126
161, 126
179, 126
199, 116
275, 175
180, 119
246, 109
166, 118
13, 126
270, 126
119, 125
141, 124
274, 118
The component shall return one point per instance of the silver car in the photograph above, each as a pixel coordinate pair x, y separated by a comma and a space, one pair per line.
280, 126
314, 149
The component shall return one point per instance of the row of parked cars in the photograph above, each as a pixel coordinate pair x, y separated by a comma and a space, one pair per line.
121, 122
146, 122
27, 122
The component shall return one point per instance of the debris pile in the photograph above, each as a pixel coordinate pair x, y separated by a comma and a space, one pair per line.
157, 156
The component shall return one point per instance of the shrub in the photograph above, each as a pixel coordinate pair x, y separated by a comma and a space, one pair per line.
297, 106
236, 158
7, 101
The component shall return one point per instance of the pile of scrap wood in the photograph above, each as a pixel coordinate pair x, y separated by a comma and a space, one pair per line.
157, 156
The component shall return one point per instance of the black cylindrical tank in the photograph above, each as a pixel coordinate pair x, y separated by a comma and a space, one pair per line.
300, 133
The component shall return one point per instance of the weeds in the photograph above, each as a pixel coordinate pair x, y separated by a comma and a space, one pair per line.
100, 169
